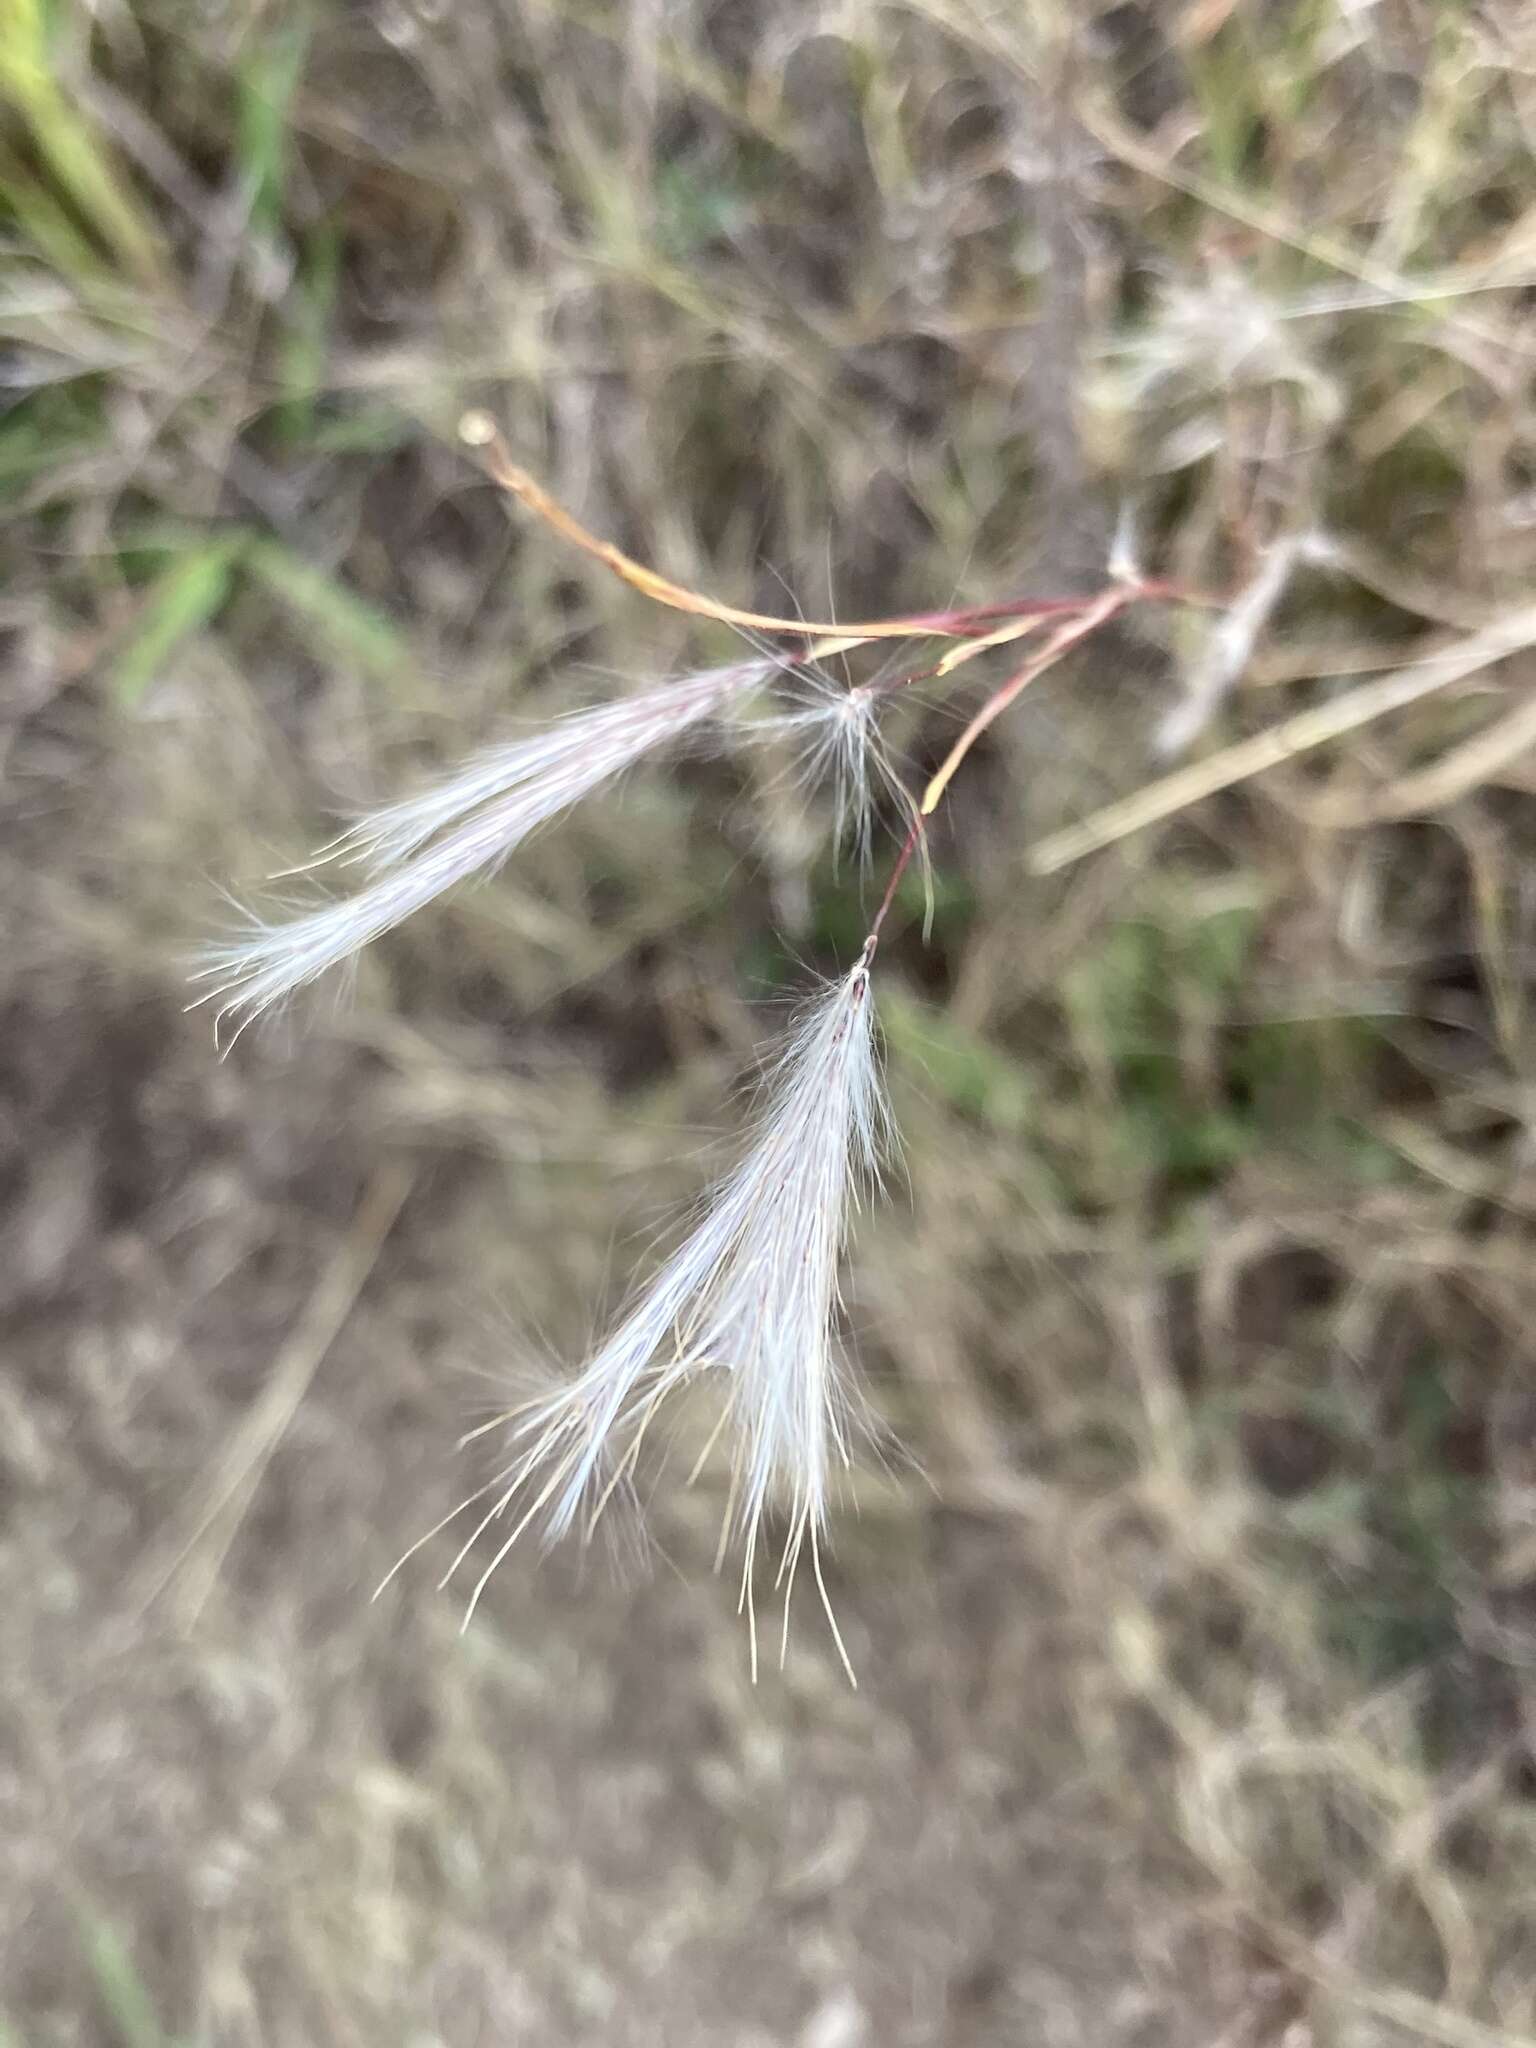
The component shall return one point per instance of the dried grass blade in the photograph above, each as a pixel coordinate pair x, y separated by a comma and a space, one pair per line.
1279, 743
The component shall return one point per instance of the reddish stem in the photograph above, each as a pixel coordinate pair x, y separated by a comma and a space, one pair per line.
1093, 611
908, 848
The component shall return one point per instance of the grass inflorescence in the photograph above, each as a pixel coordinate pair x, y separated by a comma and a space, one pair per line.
1148, 390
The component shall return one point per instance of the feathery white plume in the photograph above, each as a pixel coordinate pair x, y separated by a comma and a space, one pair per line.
837, 739
464, 826
751, 1293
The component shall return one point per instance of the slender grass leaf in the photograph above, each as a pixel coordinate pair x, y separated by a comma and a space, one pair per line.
121, 1989
356, 630
306, 343
183, 598
84, 171
266, 88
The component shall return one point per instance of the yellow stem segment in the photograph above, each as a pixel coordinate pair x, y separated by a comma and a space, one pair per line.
477, 430
1064, 638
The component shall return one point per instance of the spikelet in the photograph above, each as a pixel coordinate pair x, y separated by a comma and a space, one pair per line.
751, 1294
834, 733
463, 827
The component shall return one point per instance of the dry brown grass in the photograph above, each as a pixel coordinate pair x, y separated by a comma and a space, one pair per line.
1196, 1653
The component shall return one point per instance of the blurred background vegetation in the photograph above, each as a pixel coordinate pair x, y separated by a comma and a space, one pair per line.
1196, 1617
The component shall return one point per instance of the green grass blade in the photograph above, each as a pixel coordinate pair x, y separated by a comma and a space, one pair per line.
306, 344
182, 599
122, 1991
82, 169
266, 88
356, 630
44, 223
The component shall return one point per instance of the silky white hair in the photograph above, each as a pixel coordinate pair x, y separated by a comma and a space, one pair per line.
462, 827
752, 1295
465, 826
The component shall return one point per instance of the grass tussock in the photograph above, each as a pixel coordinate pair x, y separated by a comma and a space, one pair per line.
1193, 1600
